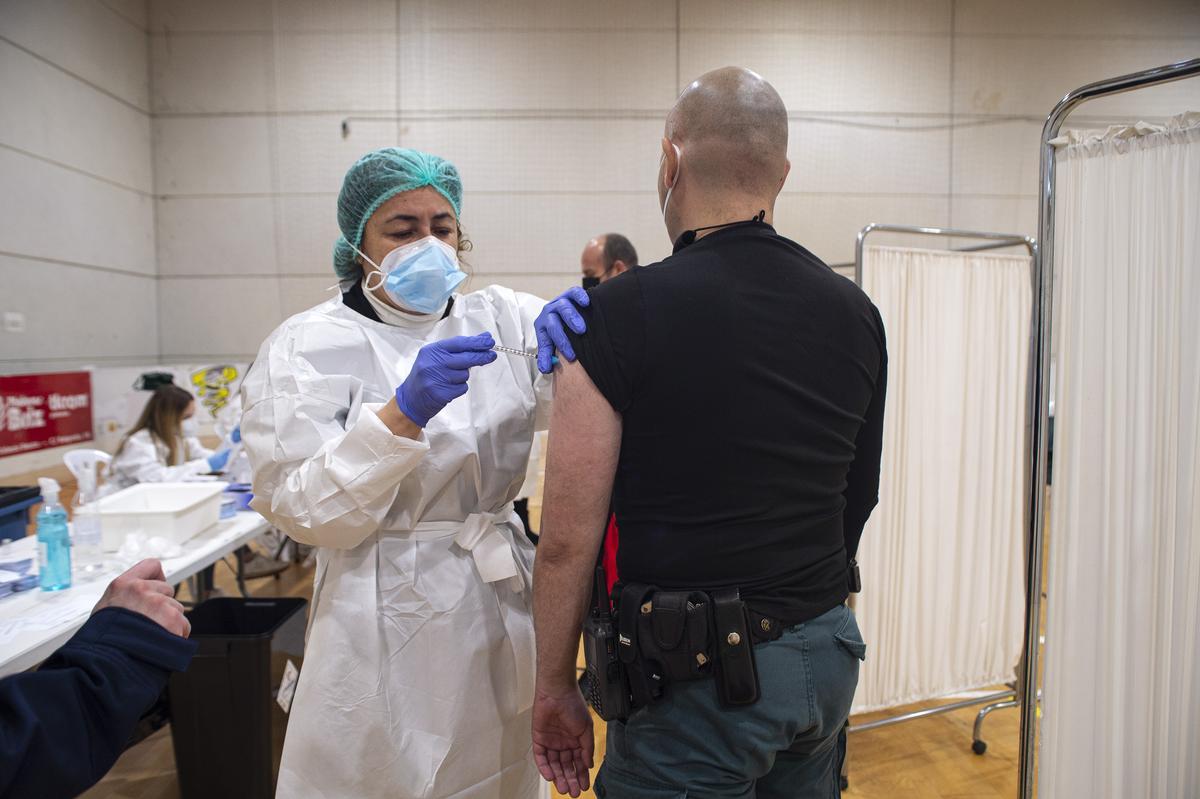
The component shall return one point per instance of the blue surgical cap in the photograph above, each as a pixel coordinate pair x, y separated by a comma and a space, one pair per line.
378, 177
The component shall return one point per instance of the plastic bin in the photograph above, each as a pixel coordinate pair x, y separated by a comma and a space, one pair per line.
15, 502
226, 727
175, 511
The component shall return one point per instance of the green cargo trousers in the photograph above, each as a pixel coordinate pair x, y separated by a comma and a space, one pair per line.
789, 744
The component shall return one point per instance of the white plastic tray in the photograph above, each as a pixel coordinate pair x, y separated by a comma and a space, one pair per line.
175, 511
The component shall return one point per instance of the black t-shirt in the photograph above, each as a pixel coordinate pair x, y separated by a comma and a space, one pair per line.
750, 378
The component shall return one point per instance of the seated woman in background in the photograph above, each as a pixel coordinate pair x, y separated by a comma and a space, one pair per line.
163, 448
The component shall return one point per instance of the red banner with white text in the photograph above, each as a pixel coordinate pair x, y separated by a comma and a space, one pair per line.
43, 411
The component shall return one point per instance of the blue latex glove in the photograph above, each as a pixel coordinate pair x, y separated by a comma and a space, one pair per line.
440, 373
549, 326
236, 435
217, 461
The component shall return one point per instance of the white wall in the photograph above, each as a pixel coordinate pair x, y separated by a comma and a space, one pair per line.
185, 182
76, 191
76, 208
922, 112
170, 168
1013, 61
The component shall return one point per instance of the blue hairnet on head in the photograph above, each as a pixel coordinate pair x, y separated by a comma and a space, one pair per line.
378, 177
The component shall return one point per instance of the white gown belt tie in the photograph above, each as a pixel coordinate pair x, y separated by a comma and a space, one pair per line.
481, 536
493, 553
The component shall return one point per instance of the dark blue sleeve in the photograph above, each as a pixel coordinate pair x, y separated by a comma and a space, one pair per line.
63, 726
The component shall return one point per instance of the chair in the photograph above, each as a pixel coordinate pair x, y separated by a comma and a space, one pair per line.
85, 461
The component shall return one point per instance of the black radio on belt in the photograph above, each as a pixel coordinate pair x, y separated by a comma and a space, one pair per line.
603, 680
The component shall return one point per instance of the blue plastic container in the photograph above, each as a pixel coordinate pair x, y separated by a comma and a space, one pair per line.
240, 493
15, 503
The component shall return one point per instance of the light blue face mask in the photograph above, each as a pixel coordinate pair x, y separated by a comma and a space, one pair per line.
420, 276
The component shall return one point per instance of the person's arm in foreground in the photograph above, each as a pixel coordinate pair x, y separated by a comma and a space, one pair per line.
63, 726
585, 440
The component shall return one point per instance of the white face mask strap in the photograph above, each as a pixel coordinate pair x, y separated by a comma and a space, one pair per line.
378, 271
674, 183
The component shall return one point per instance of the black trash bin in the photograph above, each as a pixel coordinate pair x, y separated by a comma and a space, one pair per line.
226, 727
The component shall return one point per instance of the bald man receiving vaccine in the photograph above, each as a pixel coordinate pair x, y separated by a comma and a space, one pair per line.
730, 401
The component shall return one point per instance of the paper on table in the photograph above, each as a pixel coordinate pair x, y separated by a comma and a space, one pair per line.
9, 631
52, 612
60, 609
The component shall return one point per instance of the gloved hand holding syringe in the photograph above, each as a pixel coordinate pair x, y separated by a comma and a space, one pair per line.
549, 328
440, 372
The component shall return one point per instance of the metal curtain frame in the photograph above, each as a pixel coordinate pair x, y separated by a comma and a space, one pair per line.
994, 241
1039, 410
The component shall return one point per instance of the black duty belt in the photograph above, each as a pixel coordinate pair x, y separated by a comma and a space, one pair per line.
654, 638
644, 639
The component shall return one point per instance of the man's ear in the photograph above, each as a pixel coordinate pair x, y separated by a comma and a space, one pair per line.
619, 266
671, 173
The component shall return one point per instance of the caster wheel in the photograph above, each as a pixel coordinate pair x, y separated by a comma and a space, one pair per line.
845, 782
979, 747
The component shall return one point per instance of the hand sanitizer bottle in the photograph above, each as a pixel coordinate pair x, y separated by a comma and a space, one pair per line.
54, 540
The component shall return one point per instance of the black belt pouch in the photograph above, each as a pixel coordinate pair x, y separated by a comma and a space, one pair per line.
736, 672
647, 682
675, 634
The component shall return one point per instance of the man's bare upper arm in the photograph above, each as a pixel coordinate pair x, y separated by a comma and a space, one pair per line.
585, 440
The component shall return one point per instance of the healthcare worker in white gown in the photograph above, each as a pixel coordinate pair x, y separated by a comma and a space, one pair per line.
383, 429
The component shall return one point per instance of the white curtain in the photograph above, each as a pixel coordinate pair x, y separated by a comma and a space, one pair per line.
942, 600
1121, 708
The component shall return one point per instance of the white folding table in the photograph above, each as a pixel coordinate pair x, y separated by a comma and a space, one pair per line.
34, 623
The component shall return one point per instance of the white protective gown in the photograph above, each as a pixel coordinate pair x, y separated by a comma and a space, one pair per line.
143, 459
419, 665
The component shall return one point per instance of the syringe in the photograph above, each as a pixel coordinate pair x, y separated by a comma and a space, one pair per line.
514, 351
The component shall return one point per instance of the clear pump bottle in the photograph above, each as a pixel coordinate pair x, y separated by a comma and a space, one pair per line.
86, 530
